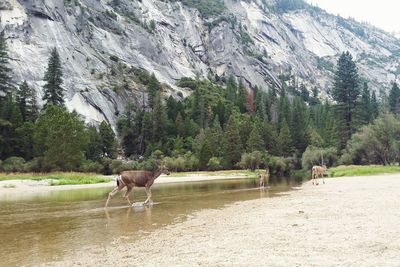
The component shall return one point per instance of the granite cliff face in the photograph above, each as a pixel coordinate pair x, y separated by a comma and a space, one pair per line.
98, 40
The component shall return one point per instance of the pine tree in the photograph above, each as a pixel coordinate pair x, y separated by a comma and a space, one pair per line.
216, 137
270, 135
5, 79
241, 97
255, 141
374, 106
261, 105
53, 92
305, 95
346, 92
147, 128
232, 143
284, 111
93, 150
153, 87
10, 120
61, 138
394, 99
205, 152
159, 120
26, 100
299, 124
365, 105
107, 139
231, 89
285, 140
172, 108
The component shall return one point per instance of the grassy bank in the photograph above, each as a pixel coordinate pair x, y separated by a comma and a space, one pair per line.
362, 170
58, 178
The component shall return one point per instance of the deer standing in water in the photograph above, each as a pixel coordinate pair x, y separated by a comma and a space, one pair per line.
131, 179
318, 172
264, 178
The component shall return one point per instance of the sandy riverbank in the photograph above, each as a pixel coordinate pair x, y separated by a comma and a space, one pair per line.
346, 222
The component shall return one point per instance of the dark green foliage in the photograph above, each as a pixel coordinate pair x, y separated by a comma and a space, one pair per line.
255, 141
285, 140
107, 140
351, 25
24, 134
365, 106
5, 78
159, 120
153, 87
231, 89
284, 109
346, 92
252, 161
53, 92
26, 100
322, 120
130, 130
233, 147
207, 8
299, 124
318, 156
374, 106
60, 138
376, 143
93, 149
394, 99
10, 121
241, 97
283, 6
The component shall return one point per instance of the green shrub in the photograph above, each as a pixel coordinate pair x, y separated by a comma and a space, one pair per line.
376, 143
214, 164
314, 155
116, 166
280, 166
206, 8
91, 166
251, 161
35, 165
13, 164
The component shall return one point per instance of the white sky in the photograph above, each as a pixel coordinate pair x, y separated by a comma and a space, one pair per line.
384, 14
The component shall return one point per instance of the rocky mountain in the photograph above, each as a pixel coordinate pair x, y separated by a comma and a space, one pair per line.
106, 44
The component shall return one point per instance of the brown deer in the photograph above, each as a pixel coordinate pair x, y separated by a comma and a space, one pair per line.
141, 178
318, 172
264, 178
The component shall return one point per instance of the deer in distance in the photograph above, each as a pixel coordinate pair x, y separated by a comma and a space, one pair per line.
139, 178
318, 172
263, 178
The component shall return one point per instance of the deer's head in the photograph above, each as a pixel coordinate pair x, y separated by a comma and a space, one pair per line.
164, 169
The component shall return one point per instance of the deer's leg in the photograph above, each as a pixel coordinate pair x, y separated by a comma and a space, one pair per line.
148, 192
113, 193
126, 195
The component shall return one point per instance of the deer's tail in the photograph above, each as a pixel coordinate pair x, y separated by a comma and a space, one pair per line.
119, 180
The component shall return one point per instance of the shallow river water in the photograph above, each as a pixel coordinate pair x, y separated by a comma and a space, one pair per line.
48, 226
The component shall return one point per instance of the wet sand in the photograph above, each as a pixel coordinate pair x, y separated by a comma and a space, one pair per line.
347, 222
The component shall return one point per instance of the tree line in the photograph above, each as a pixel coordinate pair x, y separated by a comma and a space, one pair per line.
221, 125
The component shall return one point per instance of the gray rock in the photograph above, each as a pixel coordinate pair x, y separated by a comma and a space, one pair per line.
253, 43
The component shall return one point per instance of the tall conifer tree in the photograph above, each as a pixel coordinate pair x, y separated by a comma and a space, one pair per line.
53, 92
346, 92
5, 78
